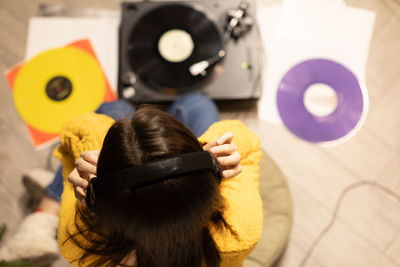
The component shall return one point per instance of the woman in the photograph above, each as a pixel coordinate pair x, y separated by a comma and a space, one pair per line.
188, 220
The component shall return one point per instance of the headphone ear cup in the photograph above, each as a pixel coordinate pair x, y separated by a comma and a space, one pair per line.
217, 170
90, 197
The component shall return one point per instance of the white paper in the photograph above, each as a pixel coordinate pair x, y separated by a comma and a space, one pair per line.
50, 32
306, 29
268, 21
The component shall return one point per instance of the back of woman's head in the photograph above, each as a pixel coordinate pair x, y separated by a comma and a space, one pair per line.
165, 223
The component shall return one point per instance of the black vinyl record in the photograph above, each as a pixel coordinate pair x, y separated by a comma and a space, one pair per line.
144, 52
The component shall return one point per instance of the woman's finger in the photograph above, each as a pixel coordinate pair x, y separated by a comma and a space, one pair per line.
73, 176
85, 168
91, 156
230, 173
209, 145
223, 150
226, 138
79, 193
82, 183
231, 160
76, 180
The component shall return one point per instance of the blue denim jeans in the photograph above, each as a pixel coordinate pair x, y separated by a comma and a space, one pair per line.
195, 110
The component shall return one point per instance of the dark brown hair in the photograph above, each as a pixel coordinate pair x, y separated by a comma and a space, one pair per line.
167, 223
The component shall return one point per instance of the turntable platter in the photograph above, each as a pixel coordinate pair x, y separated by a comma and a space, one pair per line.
167, 40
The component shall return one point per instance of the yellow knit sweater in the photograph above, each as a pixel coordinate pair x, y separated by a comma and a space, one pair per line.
242, 199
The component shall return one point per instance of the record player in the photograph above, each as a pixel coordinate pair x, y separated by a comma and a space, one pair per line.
171, 48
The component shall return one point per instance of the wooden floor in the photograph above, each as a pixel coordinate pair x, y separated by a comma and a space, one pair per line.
362, 229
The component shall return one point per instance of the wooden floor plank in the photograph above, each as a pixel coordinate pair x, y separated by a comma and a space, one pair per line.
342, 247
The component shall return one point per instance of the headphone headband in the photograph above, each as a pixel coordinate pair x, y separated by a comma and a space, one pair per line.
153, 172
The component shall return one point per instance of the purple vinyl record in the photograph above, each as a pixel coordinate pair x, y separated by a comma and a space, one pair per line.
298, 119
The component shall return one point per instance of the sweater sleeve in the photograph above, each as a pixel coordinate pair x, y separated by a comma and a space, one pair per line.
83, 133
243, 203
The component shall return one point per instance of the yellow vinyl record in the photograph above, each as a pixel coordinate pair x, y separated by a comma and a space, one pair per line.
57, 85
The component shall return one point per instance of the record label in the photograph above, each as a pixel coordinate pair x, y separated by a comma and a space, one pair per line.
175, 45
311, 110
59, 88
320, 99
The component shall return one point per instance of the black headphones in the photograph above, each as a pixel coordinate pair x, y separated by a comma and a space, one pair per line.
152, 172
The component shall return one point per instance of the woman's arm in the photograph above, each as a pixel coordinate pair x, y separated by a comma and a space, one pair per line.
243, 211
85, 132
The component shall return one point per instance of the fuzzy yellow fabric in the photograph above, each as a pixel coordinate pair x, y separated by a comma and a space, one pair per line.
83, 133
242, 199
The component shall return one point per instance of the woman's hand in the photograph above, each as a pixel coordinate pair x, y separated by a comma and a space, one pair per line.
226, 154
85, 169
